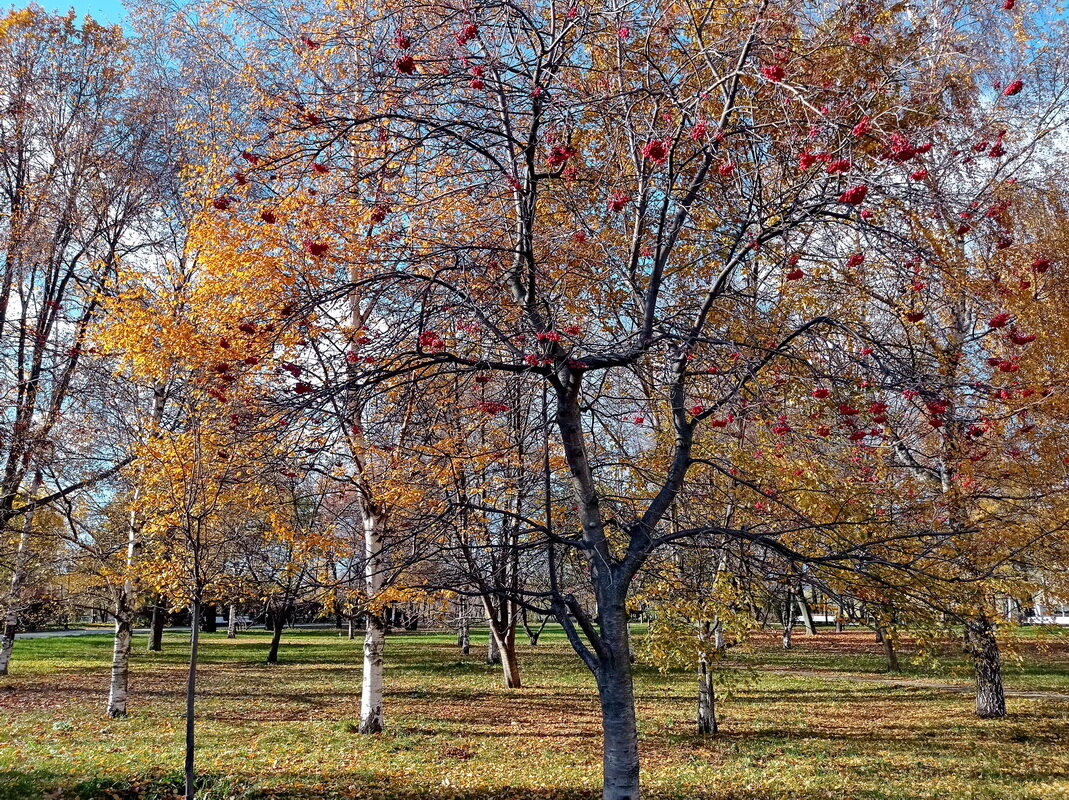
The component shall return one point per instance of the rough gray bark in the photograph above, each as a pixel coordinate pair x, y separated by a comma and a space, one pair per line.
982, 646
616, 694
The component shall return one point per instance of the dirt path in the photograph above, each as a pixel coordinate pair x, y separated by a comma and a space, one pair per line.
916, 683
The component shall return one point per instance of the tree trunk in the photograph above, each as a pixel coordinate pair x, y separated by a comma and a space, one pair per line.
788, 620
120, 657
279, 619
718, 635
987, 666
208, 623
375, 626
464, 633
806, 614
493, 655
232, 623
890, 653
124, 616
506, 648
617, 696
533, 633
159, 619
706, 700
18, 576
191, 694
371, 690
352, 627
502, 643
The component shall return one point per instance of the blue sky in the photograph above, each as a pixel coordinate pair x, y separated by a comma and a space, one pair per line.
104, 11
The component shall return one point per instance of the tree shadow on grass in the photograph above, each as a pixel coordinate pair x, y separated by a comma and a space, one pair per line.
362, 786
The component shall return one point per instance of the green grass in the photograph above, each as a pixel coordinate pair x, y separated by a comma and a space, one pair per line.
286, 731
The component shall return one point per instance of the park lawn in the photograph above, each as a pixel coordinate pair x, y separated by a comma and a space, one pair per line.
286, 731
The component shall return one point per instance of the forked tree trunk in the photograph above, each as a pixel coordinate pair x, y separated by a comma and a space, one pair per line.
987, 666
191, 696
375, 631
159, 620
232, 623
506, 649
616, 694
532, 632
464, 633
788, 620
502, 640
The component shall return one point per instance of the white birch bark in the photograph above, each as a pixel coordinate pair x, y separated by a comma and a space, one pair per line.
374, 634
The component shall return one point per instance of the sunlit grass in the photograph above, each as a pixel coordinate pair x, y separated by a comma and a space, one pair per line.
287, 730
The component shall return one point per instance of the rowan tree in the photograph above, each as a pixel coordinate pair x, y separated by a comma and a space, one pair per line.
626, 207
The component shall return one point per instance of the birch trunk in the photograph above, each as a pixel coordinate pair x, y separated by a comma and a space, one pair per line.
124, 615
464, 633
788, 620
706, 700
120, 659
493, 655
232, 623
375, 631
